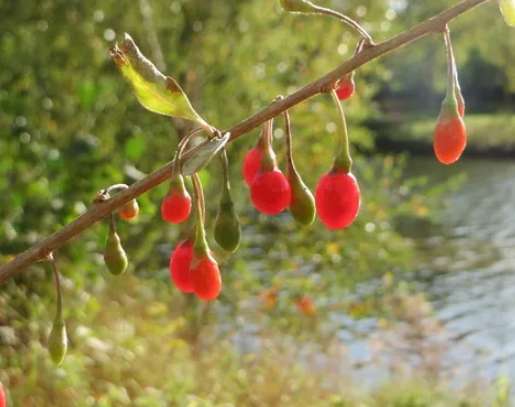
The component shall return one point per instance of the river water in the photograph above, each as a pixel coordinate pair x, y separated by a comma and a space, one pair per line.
468, 281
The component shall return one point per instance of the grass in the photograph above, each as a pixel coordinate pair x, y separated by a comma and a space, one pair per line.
131, 348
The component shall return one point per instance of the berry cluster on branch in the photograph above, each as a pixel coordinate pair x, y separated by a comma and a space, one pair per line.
337, 199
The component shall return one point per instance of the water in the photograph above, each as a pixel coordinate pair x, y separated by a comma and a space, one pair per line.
472, 288
458, 319
469, 280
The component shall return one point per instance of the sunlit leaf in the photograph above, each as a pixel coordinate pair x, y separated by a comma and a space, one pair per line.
156, 92
508, 11
204, 153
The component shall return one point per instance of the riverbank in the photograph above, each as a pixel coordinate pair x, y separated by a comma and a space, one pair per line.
490, 135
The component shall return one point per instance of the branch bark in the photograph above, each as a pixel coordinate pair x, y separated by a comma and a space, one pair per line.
99, 211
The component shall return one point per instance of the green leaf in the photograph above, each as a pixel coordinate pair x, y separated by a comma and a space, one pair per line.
203, 154
508, 11
156, 92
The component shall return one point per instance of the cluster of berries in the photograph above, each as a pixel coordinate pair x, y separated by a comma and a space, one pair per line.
337, 197
192, 266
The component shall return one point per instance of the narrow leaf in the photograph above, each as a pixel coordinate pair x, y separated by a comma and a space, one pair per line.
156, 92
204, 153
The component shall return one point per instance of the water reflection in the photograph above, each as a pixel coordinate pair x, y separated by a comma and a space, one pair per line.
469, 276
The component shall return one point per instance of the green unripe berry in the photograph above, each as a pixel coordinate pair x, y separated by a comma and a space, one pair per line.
114, 256
227, 225
58, 341
302, 205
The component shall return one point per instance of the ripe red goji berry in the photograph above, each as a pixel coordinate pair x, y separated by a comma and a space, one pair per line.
337, 195
180, 266
271, 192
346, 87
450, 138
450, 135
205, 274
251, 164
176, 206
338, 199
253, 158
3, 398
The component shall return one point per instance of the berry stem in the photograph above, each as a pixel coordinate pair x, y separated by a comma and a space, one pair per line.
200, 247
225, 169
346, 20
343, 160
116, 188
57, 283
450, 98
456, 85
289, 141
268, 162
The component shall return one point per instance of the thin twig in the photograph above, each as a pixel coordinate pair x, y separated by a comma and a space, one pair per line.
347, 20
100, 210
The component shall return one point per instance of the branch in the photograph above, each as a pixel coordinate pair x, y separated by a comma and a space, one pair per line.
100, 210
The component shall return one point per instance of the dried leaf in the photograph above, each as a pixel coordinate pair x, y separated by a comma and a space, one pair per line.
204, 153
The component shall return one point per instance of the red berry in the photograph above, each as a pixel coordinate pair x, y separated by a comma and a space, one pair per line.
270, 192
180, 263
3, 399
251, 164
207, 281
176, 207
450, 139
338, 199
346, 88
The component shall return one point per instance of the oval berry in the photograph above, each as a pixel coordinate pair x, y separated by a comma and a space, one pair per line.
58, 342
450, 139
115, 256
270, 192
338, 199
180, 266
3, 398
302, 205
207, 281
176, 207
129, 211
346, 89
251, 164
